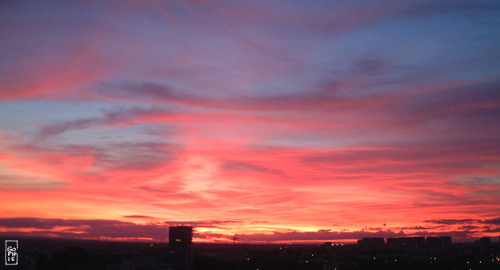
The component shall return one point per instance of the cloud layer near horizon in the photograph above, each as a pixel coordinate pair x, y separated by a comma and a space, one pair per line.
288, 117
158, 231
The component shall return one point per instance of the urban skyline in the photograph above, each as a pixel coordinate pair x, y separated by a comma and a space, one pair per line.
264, 121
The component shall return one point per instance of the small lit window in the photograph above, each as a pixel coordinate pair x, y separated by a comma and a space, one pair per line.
178, 240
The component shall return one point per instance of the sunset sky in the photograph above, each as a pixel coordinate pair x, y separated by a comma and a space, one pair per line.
268, 120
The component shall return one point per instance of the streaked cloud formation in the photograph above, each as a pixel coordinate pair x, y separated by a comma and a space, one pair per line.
273, 121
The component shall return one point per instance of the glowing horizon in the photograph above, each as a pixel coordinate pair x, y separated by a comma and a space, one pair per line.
272, 122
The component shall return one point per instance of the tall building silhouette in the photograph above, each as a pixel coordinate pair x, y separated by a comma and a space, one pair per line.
180, 243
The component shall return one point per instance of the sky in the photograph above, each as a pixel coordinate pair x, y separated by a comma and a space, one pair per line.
269, 121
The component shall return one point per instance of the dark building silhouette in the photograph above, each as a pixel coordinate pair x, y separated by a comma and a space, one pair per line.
180, 242
438, 242
406, 242
371, 243
484, 241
